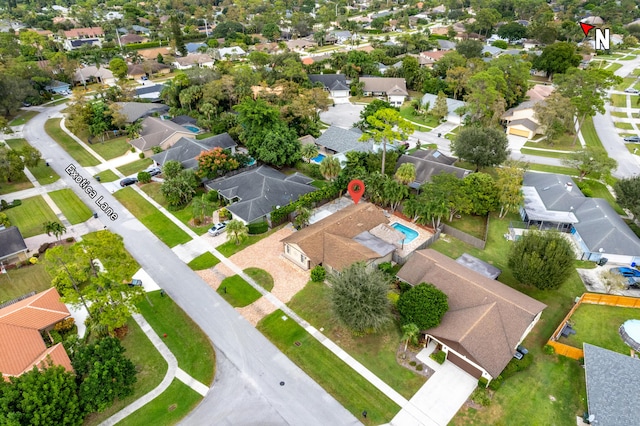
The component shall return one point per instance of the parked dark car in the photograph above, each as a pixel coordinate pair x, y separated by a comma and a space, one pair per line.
626, 272
128, 181
634, 139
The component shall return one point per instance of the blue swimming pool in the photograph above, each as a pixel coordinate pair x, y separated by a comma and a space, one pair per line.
318, 158
409, 233
193, 129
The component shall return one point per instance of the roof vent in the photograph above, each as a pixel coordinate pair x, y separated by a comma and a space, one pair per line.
569, 186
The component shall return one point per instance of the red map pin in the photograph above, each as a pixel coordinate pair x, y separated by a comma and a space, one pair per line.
356, 189
586, 28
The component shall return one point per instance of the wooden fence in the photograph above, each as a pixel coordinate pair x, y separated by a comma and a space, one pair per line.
463, 236
401, 260
590, 299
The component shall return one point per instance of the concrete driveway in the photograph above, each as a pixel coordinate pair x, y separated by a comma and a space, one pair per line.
342, 115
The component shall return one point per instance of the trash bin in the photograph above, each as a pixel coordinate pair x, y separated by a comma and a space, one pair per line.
439, 135
95, 215
603, 261
98, 178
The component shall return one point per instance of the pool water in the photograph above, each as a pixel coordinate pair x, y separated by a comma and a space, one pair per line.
318, 158
409, 233
193, 129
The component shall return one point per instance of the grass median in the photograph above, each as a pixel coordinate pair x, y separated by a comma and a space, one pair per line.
73, 148
43, 173
71, 206
30, 216
167, 231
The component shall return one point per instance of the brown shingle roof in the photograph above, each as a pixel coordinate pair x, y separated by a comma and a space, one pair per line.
21, 345
340, 251
391, 86
155, 131
486, 319
346, 223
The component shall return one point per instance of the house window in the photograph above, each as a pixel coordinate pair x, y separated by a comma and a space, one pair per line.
302, 258
287, 249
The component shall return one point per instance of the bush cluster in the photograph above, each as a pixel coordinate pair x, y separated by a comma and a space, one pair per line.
438, 357
5, 206
258, 228
318, 274
329, 192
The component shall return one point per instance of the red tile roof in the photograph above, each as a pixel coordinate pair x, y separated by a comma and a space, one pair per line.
21, 345
84, 32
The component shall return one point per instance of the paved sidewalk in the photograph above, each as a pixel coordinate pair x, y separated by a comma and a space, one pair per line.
32, 192
80, 142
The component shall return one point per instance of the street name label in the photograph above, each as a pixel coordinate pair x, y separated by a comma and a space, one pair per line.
85, 185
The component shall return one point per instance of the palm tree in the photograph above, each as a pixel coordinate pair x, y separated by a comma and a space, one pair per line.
303, 215
309, 151
133, 130
406, 173
330, 168
54, 228
410, 333
237, 231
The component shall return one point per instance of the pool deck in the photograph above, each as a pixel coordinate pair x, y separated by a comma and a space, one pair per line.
423, 235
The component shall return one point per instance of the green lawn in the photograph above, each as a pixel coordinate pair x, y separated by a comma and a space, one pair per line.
619, 114
185, 339
167, 231
30, 216
185, 214
599, 326
16, 185
111, 148
553, 169
204, 261
58, 102
624, 126
377, 351
633, 148
260, 276
591, 138
539, 153
167, 409
471, 224
150, 365
614, 67
238, 292
319, 183
563, 143
348, 387
135, 167
72, 207
73, 148
17, 282
626, 82
23, 117
107, 176
619, 101
425, 120
635, 228
230, 248
525, 398
43, 174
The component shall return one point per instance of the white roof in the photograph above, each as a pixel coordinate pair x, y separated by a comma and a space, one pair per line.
536, 209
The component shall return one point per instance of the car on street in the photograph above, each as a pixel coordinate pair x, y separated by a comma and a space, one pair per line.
635, 139
626, 272
631, 90
218, 228
154, 171
128, 181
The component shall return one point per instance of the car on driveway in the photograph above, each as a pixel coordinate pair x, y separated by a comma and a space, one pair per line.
128, 181
135, 283
154, 171
218, 228
631, 90
626, 272
635, 139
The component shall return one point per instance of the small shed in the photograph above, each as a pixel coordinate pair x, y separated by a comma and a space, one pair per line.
479, 266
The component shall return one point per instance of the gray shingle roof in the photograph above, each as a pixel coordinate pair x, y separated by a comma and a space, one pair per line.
259, 190
185, 150
155, 131
342, 140
553, 191
390, 86
136, 110
330, 81
11, 242
183, 119
529, 124
426, 169
613, 384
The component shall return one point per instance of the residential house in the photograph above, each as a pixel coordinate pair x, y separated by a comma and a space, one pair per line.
335, 84
491, 51
486, 320
93, 74
131, 39
194, 47
58, 87
149, 92
446, 45
358, 233
78, 37
133, 111
522, 121
337, 142
429, 163
610, 378
185, 150
530, 44
184, 120
151, 54
393, 89
554, 202
453, 106
593, 20
301, 45
199, 60
12, 246
539, 92
230, 53
146, 69
340, 36
158, 132
428, 58
255, 193
22, 325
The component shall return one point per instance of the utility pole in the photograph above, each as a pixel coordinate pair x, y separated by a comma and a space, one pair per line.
206, 29
118, 36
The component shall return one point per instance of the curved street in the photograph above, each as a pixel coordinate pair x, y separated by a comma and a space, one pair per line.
247, 387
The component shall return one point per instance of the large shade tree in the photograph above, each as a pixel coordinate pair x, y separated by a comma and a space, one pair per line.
481, 146
591, 160
628, 194
359, 298
386, 125
423, 305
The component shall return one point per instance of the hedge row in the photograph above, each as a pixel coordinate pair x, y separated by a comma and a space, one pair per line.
307, 200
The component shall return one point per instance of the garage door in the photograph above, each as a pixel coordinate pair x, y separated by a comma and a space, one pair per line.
460, 362
518, 132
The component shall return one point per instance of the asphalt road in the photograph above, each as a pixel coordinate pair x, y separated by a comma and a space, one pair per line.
249, 368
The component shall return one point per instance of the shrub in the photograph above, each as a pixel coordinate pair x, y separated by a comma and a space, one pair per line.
386, 267
212, 196
44, 247
403, 286
258, 228
4, 204
133, 150
419, 367
516, 365
224, 214
481, 397
549, 350
144, 177
496, 383
64, 325
69, 239
318, 274
412, 363
33, 260
585, 187
16, 203
438, 357
482, 382
393, 297
141, 155
156, 149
